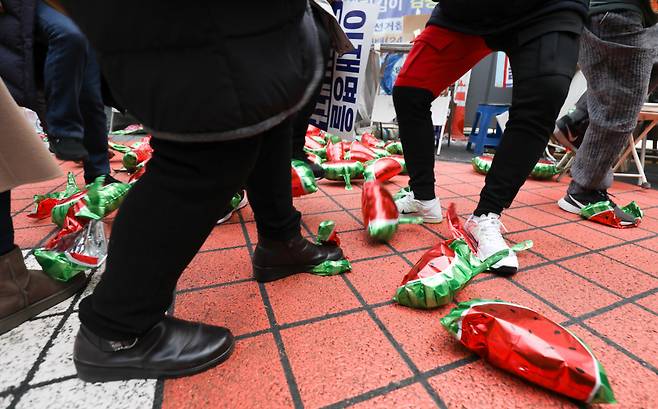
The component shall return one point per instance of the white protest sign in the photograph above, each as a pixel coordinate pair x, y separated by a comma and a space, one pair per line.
336, 108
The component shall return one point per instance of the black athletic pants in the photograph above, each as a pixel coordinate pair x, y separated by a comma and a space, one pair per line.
542, 70
6, 225
170, 212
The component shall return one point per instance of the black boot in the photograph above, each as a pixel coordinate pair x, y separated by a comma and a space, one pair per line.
274, 260
71, 149
171, 349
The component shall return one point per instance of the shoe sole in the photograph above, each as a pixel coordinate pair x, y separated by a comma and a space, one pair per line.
504, 270
268, 274
14, 320
243, 203
91, 373
568, 207
429, 220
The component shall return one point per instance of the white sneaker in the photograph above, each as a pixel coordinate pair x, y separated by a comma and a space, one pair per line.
429, 210
485, 230
242, 196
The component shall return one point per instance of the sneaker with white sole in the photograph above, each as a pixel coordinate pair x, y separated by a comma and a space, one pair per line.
486, 231
237, 202
429, 210
576, 202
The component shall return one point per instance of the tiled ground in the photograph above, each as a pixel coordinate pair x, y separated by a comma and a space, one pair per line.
335, 342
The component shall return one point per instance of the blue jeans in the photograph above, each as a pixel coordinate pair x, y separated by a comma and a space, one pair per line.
73, 88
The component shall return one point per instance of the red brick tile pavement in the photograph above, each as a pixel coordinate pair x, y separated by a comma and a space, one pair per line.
309, 341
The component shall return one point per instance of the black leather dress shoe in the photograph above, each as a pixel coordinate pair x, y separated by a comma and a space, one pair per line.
172, 348
274, 260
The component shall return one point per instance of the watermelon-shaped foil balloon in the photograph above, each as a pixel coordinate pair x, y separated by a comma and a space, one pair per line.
529, 345
544, 169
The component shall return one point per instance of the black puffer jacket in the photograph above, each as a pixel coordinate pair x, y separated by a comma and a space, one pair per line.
490, 16
17, 50
202, 70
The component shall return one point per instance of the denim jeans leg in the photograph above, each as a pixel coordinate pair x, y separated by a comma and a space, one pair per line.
95, 121
64, 69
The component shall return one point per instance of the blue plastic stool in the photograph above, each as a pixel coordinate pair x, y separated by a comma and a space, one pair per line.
480, 130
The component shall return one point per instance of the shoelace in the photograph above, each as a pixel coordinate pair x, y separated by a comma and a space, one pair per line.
490, 229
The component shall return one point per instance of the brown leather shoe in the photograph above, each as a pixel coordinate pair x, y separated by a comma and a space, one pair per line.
26, 293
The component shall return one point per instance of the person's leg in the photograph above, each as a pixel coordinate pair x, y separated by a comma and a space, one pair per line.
281, 250
6, 225
617, 62
270, 189
301, 118
64, 69
438, 58
161, 225
542, 71
95, 121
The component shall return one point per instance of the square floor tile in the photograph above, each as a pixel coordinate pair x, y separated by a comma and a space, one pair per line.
34, 236
344, 221
18, 205
377, 280
336, 187
247, 214
548, 245
583, 235
631, 327
336, 359
465, 189
651, 244
304, 296
553, 193
634, 385
504, 289
412, 237
463, 205
623, 234
611, 274
635, 256
528, 259
411, 397
238, 307
565, 290
479, 385
650, 302
6, 401
531, 198
26, 341
534, 216
223, 236
311, 205
74, 393
58, 361
445, 194
421, 335
513, 224
251, 378
357, 245
217, 267
349, 202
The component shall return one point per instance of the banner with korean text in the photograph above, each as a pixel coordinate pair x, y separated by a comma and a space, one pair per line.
336, 108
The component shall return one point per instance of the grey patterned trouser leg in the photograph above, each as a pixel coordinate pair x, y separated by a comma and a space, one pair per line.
616, 57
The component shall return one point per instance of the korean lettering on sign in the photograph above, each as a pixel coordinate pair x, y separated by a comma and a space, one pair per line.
336, 107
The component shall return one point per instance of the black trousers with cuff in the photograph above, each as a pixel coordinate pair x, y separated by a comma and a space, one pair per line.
542, 70
170, 212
